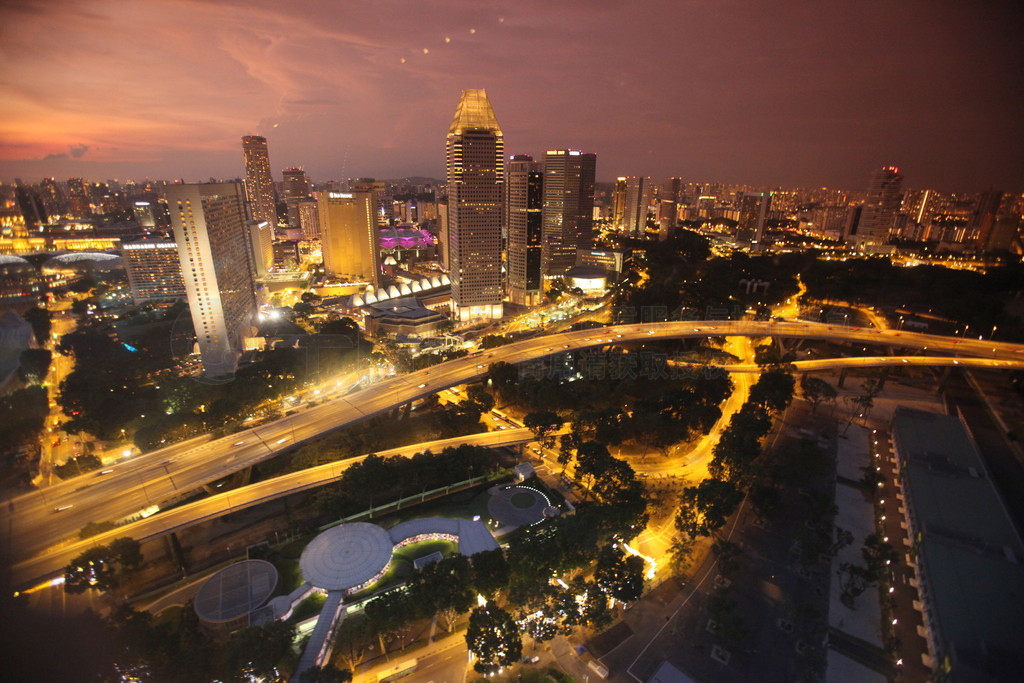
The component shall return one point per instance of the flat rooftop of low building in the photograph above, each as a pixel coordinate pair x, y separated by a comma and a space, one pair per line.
970, 552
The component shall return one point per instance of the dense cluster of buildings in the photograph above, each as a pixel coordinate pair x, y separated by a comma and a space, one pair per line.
500, 228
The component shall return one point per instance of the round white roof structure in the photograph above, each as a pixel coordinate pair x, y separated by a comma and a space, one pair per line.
393, 291
416, 286
404, 289
357, 301
235, 591
346, 556
370, 298
382, 294
434, 282
445, 280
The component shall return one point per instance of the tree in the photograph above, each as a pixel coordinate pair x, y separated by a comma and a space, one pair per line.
444, 589
493, 638
620, 576
567, 445
41, 321
388, 614
33, 364
257, 651
705, 507
773, 390
816, 390
490, 572
328, 673
476, 393
493, 341
542, 423
103, 567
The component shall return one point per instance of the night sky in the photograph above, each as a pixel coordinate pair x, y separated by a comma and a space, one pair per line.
786, 93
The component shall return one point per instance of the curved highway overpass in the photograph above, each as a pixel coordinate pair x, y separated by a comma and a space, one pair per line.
36, 520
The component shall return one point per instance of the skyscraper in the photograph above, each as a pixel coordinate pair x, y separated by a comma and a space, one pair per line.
876, 220
309, 218
524, 202
754, 207
568, 207
633, 196
261, 241
296, 188
350, 236
259, 184
475, 179
154, 270
209, 224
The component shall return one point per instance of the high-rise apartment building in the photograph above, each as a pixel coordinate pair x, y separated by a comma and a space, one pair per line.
754, 208
209, 224
633, 196
568, 207
259, 184
309, 218
79, 204
296, 188
350, 236
883, 201
524, 206
475, 174
261, 240
154, 270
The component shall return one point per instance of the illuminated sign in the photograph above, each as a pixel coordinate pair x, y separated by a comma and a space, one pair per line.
340, 195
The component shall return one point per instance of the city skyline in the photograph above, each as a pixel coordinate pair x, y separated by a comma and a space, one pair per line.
758, 96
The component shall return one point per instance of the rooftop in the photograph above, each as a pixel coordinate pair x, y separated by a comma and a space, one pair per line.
969, 550
474, 113
235, 591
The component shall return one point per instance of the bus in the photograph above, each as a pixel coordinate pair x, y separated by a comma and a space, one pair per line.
398, 671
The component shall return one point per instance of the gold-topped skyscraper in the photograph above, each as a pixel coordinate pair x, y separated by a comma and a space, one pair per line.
259, 184
476, 182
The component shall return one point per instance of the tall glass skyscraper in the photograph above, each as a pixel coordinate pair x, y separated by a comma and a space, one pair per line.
259, 184
524, 205
568, 207
476, 184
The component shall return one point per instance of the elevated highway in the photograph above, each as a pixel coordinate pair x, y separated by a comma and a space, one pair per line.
37, 520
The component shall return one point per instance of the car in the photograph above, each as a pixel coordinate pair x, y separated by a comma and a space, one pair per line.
281, 440
422, 386
62, 508
237, 444
102, 472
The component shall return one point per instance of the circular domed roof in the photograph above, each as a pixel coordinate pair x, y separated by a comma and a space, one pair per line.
393, 291
370, 298
235, 591
346, 556
357, 301
11, 260
404, 289
445, 280
416, 286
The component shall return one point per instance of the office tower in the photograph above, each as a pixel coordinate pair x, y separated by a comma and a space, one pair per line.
524, 211
296, 188
309, 218
983, 219
632, 200
671, 190
568, 208
883, 201
31, 206
443, 240
475, 175
145, 216
79, 205
259, 184
261, 240
619, 204
53, 198
154, 270
667, 215
209, 224
754, 208
350, 236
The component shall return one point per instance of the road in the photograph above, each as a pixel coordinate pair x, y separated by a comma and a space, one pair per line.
34, 568
36, 520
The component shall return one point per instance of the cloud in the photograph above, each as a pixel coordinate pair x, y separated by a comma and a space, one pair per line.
77, 151
74, 152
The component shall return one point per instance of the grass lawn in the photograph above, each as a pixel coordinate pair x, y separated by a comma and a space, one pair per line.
401, 564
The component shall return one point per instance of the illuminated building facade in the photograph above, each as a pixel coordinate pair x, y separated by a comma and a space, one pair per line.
568, 207
259, 184
350, 236
209, 224
883, 201
633, 195
154, 270
296, 188
524, 202
475, 173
